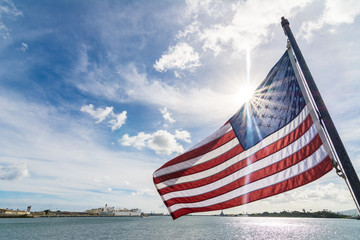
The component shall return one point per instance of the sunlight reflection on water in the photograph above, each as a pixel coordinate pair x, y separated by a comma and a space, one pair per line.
290, 228
187, 227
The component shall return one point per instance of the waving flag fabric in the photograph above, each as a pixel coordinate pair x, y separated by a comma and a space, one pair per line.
271, 145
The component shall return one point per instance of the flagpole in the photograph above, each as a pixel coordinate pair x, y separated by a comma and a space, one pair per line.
349, 171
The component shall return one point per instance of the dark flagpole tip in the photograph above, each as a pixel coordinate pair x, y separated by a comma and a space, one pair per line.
284, 21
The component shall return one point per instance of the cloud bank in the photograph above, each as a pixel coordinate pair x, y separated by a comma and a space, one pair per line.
243, 27
16, 171
336, 12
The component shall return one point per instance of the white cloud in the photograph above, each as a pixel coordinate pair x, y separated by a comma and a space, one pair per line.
99, 114
178, 58
209, 7
238, 27
166, 115
16, 171
162, 142
248, 26
336, 12
189, 30
183, 135
102, 179
139, 141
7, 7
24, 47
118, 121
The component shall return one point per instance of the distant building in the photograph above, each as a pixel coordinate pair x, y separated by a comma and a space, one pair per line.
95, 210
10, 212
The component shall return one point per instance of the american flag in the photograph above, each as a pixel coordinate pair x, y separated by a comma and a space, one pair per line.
271, 145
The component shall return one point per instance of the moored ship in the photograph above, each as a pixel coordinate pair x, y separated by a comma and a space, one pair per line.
120, 212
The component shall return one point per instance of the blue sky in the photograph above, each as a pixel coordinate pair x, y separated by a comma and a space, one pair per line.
96, 95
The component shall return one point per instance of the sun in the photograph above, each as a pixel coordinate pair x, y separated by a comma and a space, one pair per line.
245, 93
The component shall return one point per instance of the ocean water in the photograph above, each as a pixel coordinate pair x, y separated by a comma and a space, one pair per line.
187, 228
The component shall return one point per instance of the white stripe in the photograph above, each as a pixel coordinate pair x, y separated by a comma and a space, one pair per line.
267, 161
286, 174
226, 147
219, 133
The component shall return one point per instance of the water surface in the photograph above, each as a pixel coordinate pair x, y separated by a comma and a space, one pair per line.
186, 228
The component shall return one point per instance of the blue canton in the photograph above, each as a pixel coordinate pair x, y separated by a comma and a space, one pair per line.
276, 102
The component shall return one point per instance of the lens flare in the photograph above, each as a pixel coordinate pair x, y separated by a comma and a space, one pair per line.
246, 90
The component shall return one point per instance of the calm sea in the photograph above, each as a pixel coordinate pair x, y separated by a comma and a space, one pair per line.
187, 227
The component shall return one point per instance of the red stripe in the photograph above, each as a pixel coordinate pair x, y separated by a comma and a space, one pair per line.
272, 148
201, 167
297, 181
201, 150
297, 157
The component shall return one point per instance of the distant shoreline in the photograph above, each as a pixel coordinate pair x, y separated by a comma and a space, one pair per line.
52, 214
293, 214
290, 214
